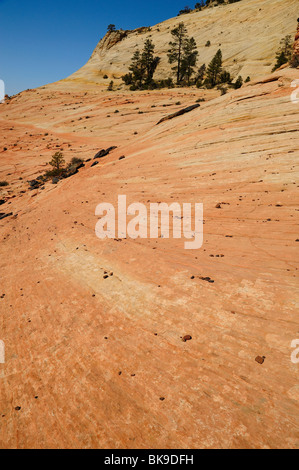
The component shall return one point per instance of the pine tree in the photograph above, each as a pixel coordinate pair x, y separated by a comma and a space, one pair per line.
149, 61
239, 82
57, 161
225, 77
142, 67
57, 164
175, 52
214, 69
137, 68
185, 10
286, 46
199, 5
189, 58
284, 54
200, 75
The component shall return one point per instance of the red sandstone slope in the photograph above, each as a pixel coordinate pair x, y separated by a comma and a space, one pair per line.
88, 359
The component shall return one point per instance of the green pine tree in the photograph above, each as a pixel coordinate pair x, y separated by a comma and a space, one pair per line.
284, 54
175, 53
239, 82
149, 61
142, 68
214, 69
111, 28
57, 161
189, 59
137, 69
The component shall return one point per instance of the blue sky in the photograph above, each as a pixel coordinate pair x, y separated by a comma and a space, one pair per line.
43, 41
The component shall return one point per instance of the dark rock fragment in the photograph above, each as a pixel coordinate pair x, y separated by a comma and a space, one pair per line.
3, 215
186, 338
260, 359
103, 153
179, 113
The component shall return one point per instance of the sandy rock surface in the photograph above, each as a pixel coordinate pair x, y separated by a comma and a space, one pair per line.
127, 343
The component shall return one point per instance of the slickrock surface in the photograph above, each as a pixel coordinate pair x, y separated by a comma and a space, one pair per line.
248, 33
123, 343
94, 330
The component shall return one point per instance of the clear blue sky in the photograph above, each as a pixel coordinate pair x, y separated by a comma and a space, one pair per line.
43, 41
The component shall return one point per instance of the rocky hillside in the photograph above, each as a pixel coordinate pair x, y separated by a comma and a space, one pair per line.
97, 360
248, 33
94, 329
